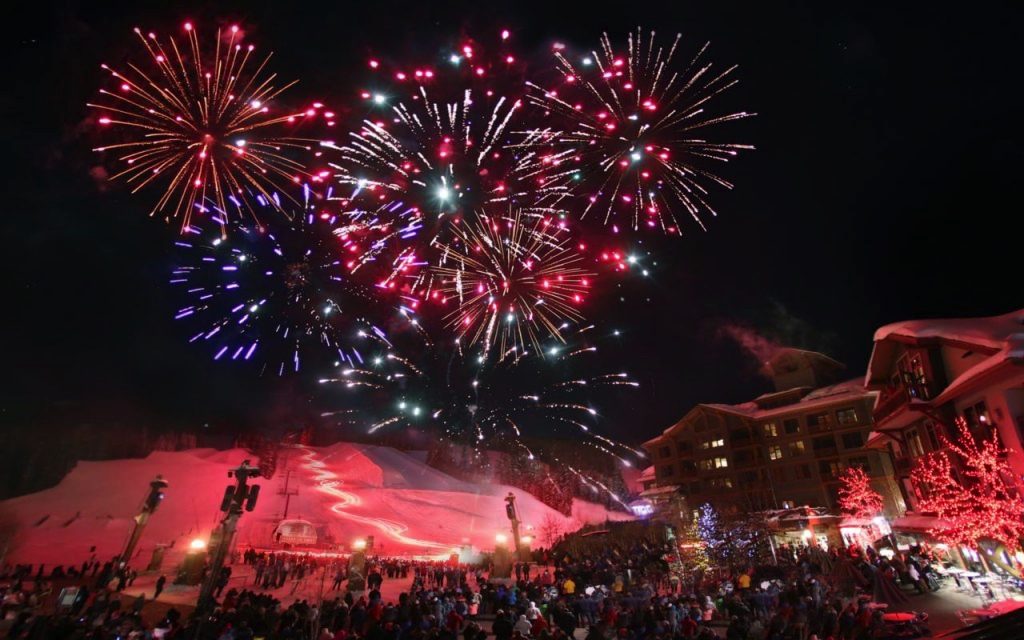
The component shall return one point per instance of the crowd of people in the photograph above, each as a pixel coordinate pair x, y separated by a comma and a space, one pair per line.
615, 592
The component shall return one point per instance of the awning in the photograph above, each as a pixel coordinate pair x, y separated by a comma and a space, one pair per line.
917, 523
658, 491
856, 522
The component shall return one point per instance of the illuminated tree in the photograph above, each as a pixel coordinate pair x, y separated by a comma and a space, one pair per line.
856, 497
709, 528
692, 549
980, 502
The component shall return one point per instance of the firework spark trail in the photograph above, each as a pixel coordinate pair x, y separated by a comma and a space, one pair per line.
330, 484
516, 282
480, 399
274, 295
627, 132
201, 125
443, 153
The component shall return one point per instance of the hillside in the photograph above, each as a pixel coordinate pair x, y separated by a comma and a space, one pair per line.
346, 491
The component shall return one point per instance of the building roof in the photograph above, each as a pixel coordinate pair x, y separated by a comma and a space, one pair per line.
989, 332
841, 392
1000, 337
788, 352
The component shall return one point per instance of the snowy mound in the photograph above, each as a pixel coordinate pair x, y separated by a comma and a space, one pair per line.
346, 491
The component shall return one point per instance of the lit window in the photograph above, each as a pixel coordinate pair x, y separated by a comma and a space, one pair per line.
770, 429
714, 463
712, 444
774, 452
977, 416
719, 483
796, 448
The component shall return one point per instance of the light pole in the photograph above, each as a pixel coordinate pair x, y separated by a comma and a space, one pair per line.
513, 516
236, 498
152, 501
677, 562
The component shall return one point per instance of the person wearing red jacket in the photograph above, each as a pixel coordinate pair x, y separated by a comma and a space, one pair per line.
454, 621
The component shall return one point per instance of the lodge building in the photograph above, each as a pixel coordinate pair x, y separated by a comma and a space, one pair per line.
781, 450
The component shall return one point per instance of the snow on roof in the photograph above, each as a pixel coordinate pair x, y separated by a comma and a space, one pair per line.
744, 408
842, 391
850, 389
989, 332
1002, 335
793, 351
854, 386
1014, 350
775, 395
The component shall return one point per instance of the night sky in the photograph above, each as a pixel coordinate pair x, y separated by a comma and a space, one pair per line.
885, 186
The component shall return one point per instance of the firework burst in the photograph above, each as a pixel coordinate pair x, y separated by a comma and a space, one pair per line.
274, 296
438, 150
471, 398
516, 282
199, 123
627, 132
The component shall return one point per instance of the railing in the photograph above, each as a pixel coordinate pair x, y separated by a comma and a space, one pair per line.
892, 398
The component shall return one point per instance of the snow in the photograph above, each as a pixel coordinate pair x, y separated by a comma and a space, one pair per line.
824, 396
989, 332
999, 338
347, 491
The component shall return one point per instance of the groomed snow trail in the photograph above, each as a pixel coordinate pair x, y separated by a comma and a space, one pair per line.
329, 483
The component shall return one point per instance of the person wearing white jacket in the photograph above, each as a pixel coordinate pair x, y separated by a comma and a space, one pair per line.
523, 626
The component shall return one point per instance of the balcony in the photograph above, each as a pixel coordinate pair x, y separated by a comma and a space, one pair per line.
896, 399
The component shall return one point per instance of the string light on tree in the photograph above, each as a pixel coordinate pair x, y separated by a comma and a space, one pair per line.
856, 497
978, 503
